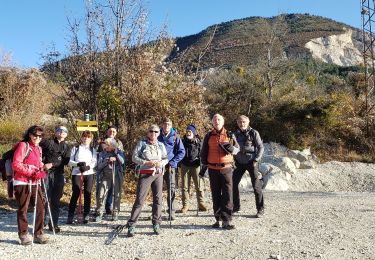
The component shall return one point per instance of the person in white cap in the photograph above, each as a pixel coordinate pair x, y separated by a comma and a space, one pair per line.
56, 154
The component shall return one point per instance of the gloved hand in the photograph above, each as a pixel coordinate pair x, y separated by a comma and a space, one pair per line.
81, 164
227, 147
39, 174
84, 168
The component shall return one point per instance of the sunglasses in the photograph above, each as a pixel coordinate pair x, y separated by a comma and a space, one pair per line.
37, 136
152, 131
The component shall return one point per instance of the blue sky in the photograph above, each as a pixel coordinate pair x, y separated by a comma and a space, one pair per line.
29, 27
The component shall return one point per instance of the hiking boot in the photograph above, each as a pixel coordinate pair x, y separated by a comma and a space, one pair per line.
131, 231
86, 219
202, 207
99, 218
184, 209
228, 226
216, 224
50, 228
156, 229
108, 211
40, 239
260, 213
25, 240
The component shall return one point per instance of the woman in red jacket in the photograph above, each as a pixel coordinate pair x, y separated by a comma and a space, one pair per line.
28, 171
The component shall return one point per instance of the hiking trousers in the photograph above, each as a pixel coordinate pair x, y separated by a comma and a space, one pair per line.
144, 183
108, 202
87, 188
189, 172
23, 197
55, 182
255, 181
222, 193
105, 187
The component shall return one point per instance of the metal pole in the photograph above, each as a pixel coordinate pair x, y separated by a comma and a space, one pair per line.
170, 197
197, 188
113, 188
35, 204
49, 208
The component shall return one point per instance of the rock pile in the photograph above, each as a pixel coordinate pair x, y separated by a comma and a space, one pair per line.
283, 169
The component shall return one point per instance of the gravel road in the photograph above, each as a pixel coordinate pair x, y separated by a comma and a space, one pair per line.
297, 225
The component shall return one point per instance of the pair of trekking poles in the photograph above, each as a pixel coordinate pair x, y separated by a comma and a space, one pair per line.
35, 206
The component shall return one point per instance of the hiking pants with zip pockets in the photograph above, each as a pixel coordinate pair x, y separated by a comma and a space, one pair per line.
144, 183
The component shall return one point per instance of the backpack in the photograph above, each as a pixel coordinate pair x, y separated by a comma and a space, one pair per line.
7, 159
137, 166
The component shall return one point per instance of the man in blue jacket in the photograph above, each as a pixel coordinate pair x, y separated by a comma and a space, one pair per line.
176, 152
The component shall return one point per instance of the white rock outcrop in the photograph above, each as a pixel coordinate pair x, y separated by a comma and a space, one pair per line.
279, 165
342, 49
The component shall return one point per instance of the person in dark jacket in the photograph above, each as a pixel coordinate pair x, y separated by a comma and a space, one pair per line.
190, 167
56, 155
176, 152
218, 148
251, 151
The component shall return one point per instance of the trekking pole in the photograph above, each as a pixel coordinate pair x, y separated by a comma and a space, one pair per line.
49, 208
80, 212
170, 197
34, 218
113, 188
199, 186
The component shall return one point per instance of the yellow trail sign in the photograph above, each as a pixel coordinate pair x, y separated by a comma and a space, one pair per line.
87, 126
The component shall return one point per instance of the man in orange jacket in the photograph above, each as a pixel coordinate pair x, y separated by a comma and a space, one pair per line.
219, 146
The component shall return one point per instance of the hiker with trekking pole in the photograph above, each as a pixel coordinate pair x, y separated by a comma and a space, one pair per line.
110, 175
110, 133
176, 152
56, 154
151, 157
28, 171
83, 160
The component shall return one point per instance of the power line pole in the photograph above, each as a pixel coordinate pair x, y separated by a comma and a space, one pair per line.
368, 38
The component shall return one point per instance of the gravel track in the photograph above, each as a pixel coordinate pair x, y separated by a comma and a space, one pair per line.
297, 225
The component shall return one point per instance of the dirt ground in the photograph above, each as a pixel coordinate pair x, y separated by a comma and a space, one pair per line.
297, 225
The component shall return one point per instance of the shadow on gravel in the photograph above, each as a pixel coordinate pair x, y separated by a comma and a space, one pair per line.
12, 242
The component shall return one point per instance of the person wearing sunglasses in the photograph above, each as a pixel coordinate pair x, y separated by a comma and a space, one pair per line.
56, 155
28, 171
110, 133
150, 156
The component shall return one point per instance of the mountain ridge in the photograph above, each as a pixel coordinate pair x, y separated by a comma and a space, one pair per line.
240, 42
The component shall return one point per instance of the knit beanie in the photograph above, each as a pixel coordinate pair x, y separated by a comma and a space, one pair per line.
192, 129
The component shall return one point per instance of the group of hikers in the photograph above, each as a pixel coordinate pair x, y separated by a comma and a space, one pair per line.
38, 166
